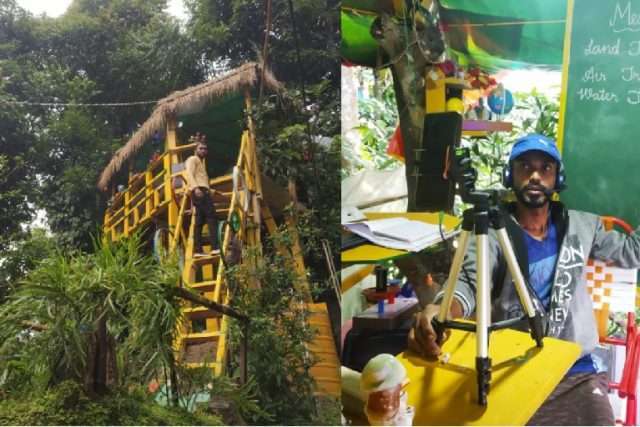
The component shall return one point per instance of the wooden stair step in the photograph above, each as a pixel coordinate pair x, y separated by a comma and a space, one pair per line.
200, 312
205, 286
212, 365
204, 260
219, 210
198, 352
198, 337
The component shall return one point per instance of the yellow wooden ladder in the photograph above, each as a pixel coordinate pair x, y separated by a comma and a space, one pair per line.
202, 338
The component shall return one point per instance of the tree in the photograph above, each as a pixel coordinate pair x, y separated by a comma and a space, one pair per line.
22, 256
278, 358
81, 306
409, 46
99, 51
233, 31
17, 174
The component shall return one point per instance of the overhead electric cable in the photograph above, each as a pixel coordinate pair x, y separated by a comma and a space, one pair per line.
76, 104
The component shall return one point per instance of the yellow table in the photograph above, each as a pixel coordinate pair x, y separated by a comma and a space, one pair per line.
522, 377
372, 254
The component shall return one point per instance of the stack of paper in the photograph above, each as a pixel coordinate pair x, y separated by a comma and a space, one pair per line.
399, 233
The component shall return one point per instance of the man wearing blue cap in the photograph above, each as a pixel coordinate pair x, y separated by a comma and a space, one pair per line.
552, 245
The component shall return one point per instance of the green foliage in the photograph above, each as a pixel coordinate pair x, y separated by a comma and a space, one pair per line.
241, 397
328, 411
378, 117
67, 404
534, 113
489, 156
17, 177
279, 361
233, 30
69, 294
287, 153
96, 52
22, 257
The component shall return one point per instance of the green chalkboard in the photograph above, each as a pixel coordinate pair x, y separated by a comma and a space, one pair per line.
600, 112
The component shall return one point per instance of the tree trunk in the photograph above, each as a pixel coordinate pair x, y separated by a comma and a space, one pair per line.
409, 46
175, 392
102, 370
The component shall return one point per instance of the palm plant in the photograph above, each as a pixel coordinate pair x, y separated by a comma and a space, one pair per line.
102, 319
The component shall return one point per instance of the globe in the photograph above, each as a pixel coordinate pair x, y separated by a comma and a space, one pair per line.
500, 101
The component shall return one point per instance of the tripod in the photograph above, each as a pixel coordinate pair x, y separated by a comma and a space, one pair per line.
477, 220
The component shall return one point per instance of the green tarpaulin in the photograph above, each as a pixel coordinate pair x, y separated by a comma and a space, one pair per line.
491, 34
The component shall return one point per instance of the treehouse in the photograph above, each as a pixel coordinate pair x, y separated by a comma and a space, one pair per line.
248, 206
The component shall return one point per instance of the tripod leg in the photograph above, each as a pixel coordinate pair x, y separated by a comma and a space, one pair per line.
483, 317
535, 317
454, 271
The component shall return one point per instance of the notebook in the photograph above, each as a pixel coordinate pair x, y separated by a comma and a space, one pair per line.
398, 233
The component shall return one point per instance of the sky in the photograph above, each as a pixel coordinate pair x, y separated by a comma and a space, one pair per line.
55, 8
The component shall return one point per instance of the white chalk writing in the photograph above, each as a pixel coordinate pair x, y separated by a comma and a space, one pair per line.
624, 19
593, 75
633, 96
602, 49
629, 74
600, 95
634, 48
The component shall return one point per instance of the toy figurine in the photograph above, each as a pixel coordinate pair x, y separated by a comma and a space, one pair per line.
383, 381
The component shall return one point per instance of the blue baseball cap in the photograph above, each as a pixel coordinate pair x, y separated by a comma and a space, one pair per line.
535, 142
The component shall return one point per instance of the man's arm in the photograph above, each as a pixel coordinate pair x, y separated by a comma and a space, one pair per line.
622, 249
422, 337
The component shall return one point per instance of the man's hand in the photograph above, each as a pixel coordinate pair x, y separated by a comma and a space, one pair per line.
198, 192
422, 336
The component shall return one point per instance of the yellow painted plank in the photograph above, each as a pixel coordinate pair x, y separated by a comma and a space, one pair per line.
326, 372
522, 377
355, 278
565, 74
475, 133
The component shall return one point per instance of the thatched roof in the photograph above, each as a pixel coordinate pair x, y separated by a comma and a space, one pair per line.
188, 101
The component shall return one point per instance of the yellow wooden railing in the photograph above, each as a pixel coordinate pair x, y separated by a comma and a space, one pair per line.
154, 196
